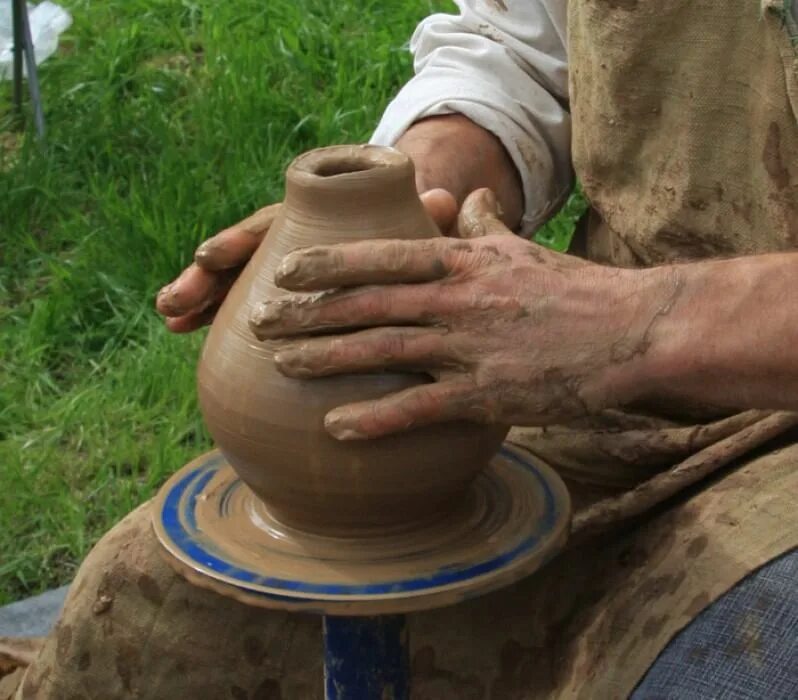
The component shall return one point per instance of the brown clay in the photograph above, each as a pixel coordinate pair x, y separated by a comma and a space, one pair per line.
271, 428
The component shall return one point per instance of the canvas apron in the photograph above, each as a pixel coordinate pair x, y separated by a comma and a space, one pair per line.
686, 142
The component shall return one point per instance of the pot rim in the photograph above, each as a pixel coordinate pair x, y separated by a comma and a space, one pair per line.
349, 164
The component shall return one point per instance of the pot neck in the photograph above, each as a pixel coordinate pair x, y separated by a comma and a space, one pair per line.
332, 181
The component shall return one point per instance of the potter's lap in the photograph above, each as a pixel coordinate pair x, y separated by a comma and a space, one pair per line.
132, 628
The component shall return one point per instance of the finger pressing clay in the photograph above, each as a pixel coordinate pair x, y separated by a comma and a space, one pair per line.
235, 245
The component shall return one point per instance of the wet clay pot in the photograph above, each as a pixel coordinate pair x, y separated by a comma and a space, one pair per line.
271, 428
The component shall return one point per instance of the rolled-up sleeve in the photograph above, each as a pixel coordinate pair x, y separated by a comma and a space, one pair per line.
502, 64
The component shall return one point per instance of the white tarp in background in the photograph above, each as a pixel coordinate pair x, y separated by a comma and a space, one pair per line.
47, 21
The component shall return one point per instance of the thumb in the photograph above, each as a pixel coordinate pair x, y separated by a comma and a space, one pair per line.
480, 216
442, 208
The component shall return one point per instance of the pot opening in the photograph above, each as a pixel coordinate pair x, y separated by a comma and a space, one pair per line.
343, 166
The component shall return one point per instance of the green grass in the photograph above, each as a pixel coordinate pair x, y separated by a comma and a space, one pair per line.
168, 119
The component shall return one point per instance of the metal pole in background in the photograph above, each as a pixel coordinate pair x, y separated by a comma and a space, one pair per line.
23, 43
16, 13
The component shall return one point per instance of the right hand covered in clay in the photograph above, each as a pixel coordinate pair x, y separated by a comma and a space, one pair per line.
192, 299
510, 333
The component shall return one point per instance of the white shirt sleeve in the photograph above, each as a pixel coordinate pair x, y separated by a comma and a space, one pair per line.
502, 64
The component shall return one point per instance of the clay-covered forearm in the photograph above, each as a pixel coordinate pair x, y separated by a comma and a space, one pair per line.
454, 153
725, 334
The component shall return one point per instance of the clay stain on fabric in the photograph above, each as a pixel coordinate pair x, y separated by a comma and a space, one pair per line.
253, 651
697, 604
698, 545
747, 640
772, 158
149, 589
654, 625
628, 5
268, 690
63, 641
84, 661
429, 680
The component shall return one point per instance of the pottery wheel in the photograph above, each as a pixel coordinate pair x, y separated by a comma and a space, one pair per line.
220, 536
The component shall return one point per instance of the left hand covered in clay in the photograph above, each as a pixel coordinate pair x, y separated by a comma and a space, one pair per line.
510, 332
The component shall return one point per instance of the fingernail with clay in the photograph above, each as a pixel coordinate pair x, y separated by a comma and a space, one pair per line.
335, 423
287, 269
490, 205
163, 291
168, 299
204, 252
289, 361
263, 317
268, 312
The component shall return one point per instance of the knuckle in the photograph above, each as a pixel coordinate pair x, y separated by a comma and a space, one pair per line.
465, 256
377, 417
439, 246
426, 402
474, 409
335, 260
373, 305
337, 351
483, 410
392, 345
394, 256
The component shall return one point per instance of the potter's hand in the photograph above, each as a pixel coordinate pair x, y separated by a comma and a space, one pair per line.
511, 332
191, 301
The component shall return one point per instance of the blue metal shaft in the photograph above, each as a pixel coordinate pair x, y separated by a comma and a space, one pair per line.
366, 658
